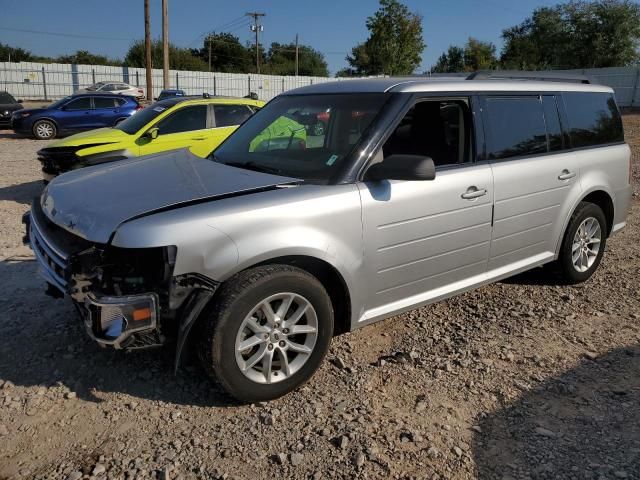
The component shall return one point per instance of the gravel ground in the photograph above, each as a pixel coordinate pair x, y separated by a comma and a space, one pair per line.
522, 379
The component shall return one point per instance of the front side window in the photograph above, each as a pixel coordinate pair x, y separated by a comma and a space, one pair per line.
593, 118
438, 129
230, 115
516, 127
184, 120
303, 136
83, 103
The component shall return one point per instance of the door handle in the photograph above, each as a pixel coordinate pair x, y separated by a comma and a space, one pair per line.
566, 175
474, 192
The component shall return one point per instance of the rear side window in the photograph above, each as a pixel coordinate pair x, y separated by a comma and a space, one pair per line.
229, 115
120, 102
593, 118
103, 102
516, 127
184, 120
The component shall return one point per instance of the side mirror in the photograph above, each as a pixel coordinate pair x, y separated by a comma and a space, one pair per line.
152, 133
403, 167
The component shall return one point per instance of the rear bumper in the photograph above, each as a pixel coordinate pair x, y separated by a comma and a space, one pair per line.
621, 205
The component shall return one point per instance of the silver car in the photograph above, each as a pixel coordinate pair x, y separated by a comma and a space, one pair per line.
413, 191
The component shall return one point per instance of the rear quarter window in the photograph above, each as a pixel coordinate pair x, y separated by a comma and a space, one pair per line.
593, 119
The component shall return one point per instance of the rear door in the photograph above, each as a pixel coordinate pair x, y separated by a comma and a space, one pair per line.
76, 115
226, 118
105, 111
184, 128
535, 181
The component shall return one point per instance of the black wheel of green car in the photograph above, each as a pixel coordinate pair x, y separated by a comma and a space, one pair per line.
583, 243
44, 130
266, 332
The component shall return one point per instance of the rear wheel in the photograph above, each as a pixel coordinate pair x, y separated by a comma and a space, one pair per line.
44, 130
267, 332
583, 244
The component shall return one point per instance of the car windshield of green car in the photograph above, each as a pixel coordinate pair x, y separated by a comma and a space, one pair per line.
135, 122
302, 136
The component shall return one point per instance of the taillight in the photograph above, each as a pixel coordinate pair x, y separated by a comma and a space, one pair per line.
139, 107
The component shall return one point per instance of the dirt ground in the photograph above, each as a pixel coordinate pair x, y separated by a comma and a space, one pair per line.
522, 379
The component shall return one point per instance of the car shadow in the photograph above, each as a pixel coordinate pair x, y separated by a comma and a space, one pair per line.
9, 134
538, 276
582, 424
23, 192
44, 344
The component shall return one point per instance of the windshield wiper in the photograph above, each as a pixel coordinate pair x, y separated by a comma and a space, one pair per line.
255, 167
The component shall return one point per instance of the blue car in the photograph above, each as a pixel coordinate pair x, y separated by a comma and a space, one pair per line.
73, 114
170, 94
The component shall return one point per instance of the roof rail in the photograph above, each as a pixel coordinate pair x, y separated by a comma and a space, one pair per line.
549, 76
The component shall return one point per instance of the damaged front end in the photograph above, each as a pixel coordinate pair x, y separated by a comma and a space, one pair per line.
127, 298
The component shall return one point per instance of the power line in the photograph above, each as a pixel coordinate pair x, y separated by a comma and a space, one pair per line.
61, 34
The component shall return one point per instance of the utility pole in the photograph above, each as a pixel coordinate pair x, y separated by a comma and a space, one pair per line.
209, 38
147, 49
256, 27
296, 54
165, 44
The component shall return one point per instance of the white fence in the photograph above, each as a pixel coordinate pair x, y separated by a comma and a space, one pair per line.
42, 81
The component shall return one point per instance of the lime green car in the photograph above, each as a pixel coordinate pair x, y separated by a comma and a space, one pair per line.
197, 123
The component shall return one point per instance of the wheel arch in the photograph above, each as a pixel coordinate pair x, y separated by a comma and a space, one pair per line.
600, 196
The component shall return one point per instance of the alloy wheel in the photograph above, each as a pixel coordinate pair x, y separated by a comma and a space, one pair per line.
276, 338
586, 244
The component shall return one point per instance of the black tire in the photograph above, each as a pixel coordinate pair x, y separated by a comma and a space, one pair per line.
564, 264
42, 128
235, 299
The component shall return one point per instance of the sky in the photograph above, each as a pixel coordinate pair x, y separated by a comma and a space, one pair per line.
332, 27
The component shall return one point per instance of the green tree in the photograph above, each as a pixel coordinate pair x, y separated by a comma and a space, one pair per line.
179, 58
394, 45
603, 33
15, 54
451, 61
281, 60
83, 57
479, 55
227, 53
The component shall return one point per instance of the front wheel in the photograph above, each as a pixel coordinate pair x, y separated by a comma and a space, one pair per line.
267, 332
583, 244
44, 130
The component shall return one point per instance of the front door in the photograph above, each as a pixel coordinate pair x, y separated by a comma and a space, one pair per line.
532, 183
76, 114
425, 239
187, 127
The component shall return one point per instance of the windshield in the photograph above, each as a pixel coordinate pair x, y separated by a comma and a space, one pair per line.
135, 122
6, 98
60, 102
302, 136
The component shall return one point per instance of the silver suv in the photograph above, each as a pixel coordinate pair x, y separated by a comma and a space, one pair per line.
335, 206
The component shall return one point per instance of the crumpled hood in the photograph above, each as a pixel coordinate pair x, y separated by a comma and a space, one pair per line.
91, 137
92, 202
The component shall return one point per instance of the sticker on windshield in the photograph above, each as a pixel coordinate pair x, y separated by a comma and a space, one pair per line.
332, 160
159, 109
